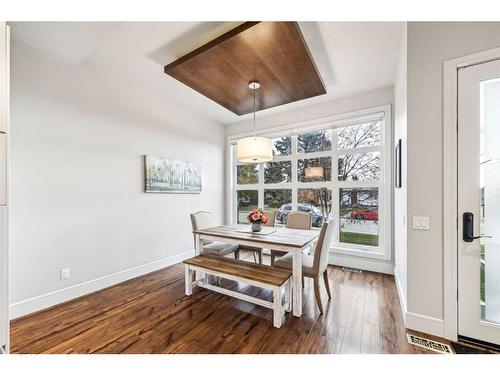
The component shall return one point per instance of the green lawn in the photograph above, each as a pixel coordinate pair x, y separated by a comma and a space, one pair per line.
482, 285
359, 238
483, 294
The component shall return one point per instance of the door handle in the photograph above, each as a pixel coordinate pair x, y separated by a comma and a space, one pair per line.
468, 228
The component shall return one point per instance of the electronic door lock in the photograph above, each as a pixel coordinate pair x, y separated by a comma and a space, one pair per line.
468, 228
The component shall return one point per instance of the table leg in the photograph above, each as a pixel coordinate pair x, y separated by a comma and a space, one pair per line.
288, 296
277, 307
198, 246
297, 282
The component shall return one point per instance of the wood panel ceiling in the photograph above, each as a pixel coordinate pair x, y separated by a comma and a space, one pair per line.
271, 53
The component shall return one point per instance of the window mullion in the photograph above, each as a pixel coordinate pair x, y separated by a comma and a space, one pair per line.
335, 211
260, 196
233, 196
294, 173
360, 150
314, 155
360, 184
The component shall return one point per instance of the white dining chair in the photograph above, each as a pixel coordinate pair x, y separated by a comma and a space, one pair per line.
314, 266
203, 220
295, 220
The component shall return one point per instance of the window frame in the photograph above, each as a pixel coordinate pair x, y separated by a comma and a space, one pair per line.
384, 184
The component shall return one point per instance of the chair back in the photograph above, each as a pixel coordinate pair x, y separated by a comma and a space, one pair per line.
299, 220
320, 261
202, 220
271, 218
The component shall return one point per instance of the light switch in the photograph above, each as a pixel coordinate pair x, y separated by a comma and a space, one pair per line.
421, 222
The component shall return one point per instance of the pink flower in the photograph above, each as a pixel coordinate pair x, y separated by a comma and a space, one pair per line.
255, 216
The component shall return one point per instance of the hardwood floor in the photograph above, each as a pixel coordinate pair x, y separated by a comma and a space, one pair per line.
150, 314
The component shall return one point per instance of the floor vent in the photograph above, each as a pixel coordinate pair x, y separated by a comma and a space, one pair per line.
429, 344
351, 269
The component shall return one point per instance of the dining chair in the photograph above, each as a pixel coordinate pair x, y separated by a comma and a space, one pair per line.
271, 219
295, 220
203, 220
314, 266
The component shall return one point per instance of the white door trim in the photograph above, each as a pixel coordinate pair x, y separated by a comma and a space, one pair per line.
450, 215
4, 236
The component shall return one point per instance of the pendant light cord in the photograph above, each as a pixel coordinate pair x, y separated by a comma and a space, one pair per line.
254, 112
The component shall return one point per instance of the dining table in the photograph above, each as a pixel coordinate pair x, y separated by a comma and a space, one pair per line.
294, 241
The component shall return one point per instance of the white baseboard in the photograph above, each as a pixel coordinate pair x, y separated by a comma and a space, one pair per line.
44, 301
363, 264
426, 324
401, 295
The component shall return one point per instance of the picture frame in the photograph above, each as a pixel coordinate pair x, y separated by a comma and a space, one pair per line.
163, 175
397, 165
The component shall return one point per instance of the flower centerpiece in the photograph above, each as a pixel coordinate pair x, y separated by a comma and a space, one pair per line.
257, 218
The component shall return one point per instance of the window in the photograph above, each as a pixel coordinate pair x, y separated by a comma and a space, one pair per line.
278, 171
314, 169
358, 211
318, 202
282, 146
248, 174
359, 172
314, 142
339, 171
276, 199
247, 201
359, 167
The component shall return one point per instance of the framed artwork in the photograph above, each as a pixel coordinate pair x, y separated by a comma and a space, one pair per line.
397, 165
171, 176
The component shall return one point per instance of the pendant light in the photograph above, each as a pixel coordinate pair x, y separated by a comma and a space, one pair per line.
254, 149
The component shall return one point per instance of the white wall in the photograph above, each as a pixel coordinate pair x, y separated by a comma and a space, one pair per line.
79, 133
400, 221
350, 104
429, 45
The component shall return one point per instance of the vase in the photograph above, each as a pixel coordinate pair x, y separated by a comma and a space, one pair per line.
256, 227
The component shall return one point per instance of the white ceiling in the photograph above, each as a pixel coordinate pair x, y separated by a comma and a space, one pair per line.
352, 57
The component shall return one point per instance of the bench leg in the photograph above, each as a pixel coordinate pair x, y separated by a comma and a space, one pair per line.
277, 308
188, 280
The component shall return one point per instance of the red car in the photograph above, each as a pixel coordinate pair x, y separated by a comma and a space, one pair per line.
365, 214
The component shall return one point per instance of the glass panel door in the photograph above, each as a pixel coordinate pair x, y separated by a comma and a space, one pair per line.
479, 202
490, 200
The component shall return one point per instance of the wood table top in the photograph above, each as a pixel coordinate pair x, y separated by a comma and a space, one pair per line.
283, 236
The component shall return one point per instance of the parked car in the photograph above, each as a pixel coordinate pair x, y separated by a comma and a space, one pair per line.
317, 216
283, 212
365, 214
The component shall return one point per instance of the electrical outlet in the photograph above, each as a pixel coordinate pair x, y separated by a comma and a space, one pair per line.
421, 222
65, 273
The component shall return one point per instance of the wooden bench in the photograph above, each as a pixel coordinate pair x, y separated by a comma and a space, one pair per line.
259, 275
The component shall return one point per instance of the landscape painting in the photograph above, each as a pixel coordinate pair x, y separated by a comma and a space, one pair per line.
171, 176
